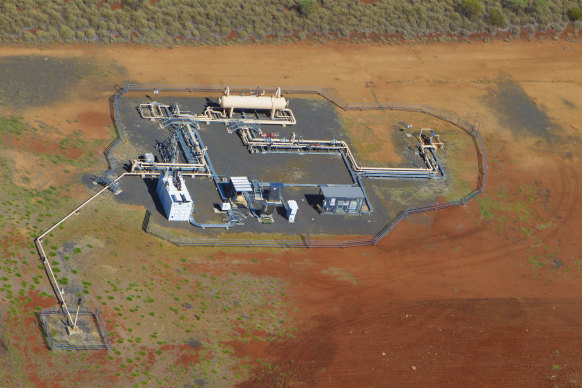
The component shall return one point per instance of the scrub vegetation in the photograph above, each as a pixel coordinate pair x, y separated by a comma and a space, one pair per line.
215, 22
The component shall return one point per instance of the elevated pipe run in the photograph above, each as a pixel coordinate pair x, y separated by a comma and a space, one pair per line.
228, 101
137, 165
159, 111
45, 260
470, 128
188, 125
259, 144
251, 136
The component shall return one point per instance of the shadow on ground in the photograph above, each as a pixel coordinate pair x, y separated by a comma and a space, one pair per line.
518, 111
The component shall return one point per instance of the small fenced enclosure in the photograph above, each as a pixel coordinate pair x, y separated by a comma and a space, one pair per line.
92, 333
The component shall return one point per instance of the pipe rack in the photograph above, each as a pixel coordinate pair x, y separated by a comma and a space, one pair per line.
188, 137
470, 128
159, 111
255, 142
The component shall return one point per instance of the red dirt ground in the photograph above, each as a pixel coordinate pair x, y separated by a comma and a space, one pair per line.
418, 317
94, 120
38, 146
452, 298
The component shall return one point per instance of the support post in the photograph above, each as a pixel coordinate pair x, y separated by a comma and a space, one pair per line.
75, 329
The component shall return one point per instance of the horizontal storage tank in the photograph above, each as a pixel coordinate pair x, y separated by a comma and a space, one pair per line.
253, 102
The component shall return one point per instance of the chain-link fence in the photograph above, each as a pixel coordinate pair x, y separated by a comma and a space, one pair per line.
91, 334
305, 240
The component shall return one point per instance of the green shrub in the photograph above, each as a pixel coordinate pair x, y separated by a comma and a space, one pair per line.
307, 7
90, 33
518, 5
471, 8
66, 33
496, 18
539, 6
160, 22
575, 13
28, 36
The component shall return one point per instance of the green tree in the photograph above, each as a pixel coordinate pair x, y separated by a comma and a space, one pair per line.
496, 18
471, 8
135, 4
575, 13
307, 7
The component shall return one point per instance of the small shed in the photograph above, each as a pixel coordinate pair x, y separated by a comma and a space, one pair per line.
343, 200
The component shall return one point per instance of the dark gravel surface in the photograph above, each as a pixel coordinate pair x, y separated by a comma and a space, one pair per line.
517, 110
316, 119
36, 80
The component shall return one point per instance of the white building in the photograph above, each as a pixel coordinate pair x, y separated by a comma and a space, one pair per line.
173, 194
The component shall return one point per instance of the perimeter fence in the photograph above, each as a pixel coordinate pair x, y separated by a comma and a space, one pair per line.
290, 240
119, 131
304, 240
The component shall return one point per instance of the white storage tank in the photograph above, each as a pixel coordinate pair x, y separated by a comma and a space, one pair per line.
253, 102
270, 103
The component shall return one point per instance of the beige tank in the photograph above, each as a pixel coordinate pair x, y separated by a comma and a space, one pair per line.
252, 102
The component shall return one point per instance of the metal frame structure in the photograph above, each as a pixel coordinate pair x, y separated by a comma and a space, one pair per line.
186, 134
159, 111
168, 148
472, 129
255, 141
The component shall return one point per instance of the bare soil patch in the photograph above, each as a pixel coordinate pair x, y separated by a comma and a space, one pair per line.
93, 119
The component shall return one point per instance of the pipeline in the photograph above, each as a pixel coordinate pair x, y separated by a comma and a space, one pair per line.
273, 145
226, 225
253, 138
159, 111
139, 166
196, 152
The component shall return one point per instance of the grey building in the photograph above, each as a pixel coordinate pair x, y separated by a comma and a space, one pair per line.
342, 200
